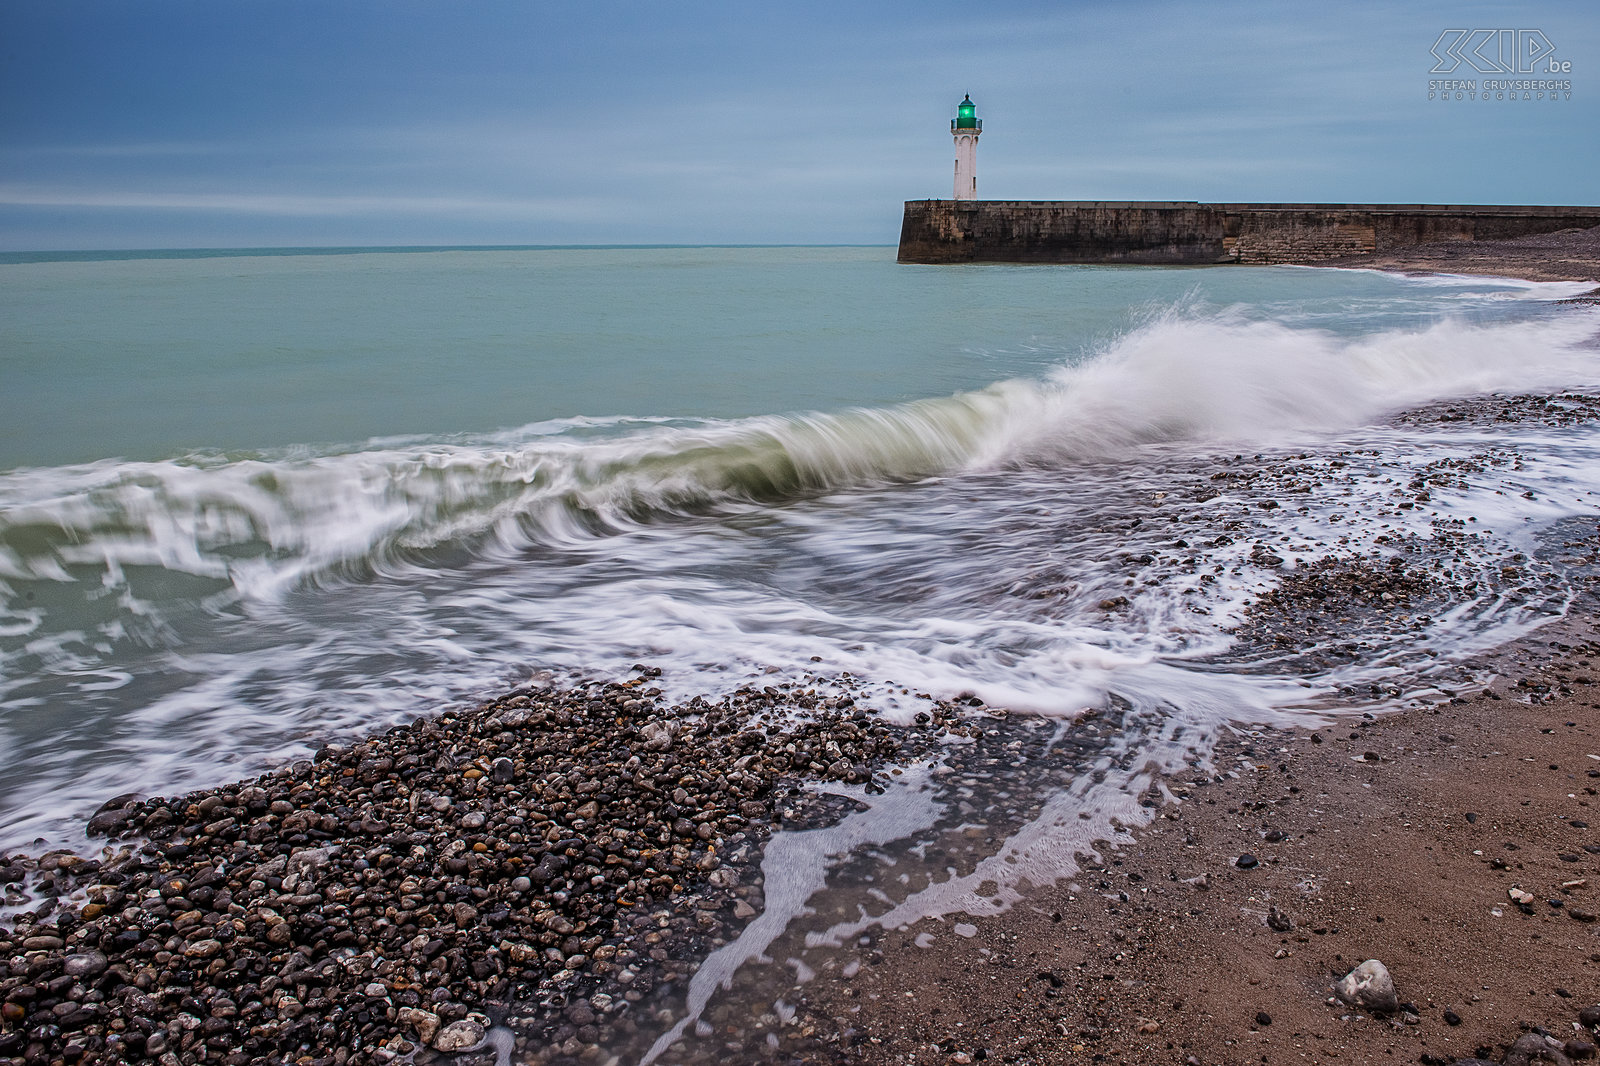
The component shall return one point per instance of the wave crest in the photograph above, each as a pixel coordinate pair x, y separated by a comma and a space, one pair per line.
263, 523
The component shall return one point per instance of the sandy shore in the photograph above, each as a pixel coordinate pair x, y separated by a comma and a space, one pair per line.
1397, 837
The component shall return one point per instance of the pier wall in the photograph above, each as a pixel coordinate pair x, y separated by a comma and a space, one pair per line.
1095, 231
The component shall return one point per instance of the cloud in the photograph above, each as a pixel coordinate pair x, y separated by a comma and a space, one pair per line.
281, 204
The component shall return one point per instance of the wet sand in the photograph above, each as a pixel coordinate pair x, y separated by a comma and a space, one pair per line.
1396, 837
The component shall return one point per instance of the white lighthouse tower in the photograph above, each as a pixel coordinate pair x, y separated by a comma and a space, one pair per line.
966, 127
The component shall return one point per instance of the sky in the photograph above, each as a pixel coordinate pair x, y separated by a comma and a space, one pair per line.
249, 123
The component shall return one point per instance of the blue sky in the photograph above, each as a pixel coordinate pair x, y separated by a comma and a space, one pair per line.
158, 123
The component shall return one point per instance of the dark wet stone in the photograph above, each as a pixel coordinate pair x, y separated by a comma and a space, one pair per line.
1246, 861
87, 964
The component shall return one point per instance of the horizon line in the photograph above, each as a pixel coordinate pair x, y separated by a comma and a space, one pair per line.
221, 251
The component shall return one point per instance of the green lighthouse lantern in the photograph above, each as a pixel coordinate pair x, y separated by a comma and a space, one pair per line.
967, 115
966, 128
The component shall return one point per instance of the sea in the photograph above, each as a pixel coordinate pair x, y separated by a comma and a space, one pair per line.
255, 500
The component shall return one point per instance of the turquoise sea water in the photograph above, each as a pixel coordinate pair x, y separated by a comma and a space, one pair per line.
150, 358
147, 358
251, 500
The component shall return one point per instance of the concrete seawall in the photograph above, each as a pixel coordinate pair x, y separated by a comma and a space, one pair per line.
1096, 231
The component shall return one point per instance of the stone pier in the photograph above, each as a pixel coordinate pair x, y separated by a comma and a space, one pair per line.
1154, 232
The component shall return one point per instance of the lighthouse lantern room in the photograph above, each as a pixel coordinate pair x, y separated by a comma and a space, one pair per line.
966, 127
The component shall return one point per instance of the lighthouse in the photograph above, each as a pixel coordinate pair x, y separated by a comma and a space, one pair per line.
966, 127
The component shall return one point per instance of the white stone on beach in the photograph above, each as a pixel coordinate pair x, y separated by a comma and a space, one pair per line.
1368, 985
424, 1022
657, 735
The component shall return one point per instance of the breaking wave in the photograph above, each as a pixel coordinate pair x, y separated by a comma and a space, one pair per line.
264, 522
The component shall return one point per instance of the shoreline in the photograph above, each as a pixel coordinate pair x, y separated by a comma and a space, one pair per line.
1402, 830
541, 877
1216, 935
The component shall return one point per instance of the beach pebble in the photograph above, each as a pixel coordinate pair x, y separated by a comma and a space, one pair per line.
423, 1022
1369, 986
1246, 861
1536, 1047
657, 735
459, 1036
203, 949
109, 822
88, 964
